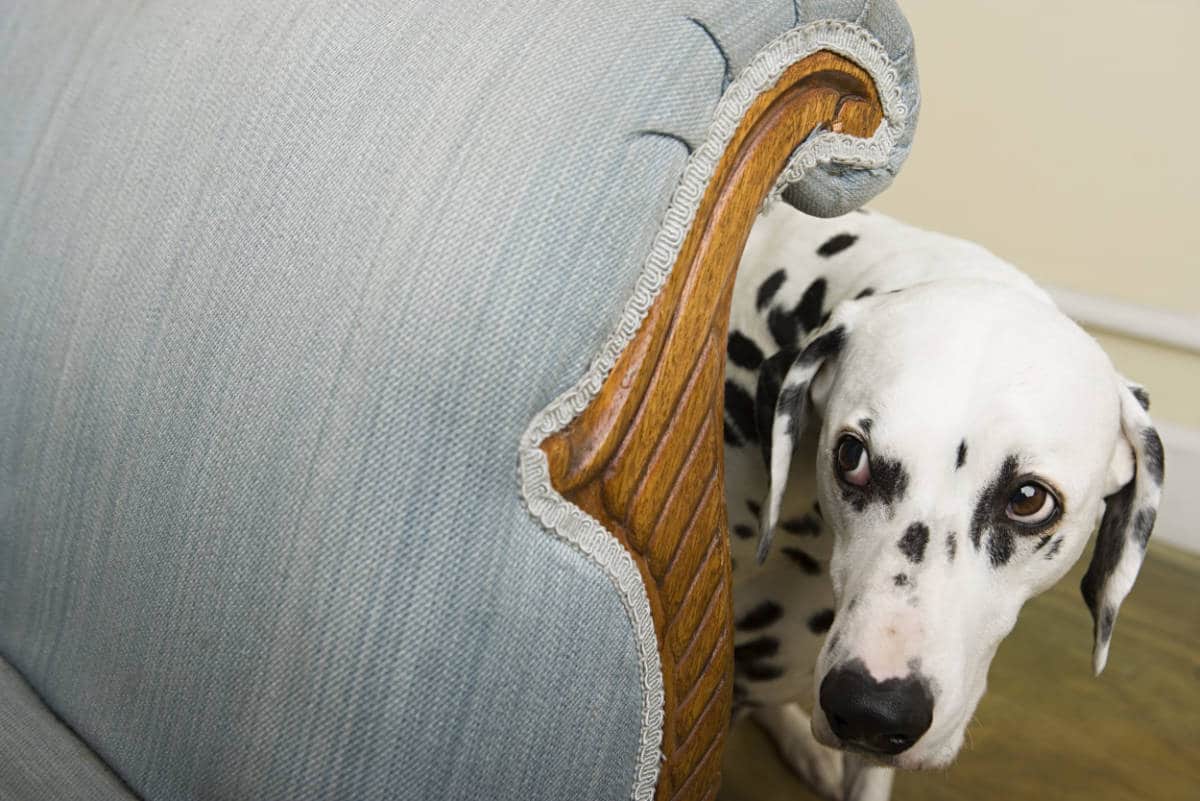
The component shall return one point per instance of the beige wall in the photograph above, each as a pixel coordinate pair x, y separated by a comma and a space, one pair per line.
1064, 136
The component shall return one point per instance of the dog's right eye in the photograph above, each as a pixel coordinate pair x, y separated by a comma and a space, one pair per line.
1031, 505
853, 464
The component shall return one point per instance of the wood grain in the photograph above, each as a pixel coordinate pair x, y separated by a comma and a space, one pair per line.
645, 458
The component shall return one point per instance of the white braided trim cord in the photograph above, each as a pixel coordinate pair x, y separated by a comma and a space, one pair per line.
568, 521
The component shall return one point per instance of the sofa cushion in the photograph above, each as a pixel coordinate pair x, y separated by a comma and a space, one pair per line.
42, 759
284, 282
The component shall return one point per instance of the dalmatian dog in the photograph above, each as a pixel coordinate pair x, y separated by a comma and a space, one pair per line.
917, 442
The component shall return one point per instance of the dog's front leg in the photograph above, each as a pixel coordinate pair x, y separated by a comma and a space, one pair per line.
864, 781
819, 765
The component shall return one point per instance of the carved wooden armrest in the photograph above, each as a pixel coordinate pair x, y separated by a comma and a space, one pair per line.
644, 458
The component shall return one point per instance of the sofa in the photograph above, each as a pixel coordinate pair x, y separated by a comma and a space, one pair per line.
360, 381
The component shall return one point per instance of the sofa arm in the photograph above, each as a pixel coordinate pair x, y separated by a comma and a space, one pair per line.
644, 457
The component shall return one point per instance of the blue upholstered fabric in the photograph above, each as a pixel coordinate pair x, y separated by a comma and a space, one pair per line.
40, 759
281, 283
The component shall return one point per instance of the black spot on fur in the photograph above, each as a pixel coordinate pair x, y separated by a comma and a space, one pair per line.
1143, 525
761, 616
743, 352
1055, 545
866, 293
853, 603
1141, 396
754, 508
865, 424
806, 563
808, 310
739, 406
748, 659
732, 438
961, 459
836, 245
992, 500
792, 400
821, 621
1000, 546
804, 526
890, 480
759, 671
1154, 455
855, 498
1106, 623
783, 327
743, 532
768, 288
1110, 542
766, 396
825, 346
900, 579
787, 326
913, 543
1042, 540
756, 649
741, 698
951, 545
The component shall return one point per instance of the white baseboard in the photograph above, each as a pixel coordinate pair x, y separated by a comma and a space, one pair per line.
1160, 326
1179, 511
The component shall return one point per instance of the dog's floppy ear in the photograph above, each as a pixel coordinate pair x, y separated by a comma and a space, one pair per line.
781, 409
1129, 514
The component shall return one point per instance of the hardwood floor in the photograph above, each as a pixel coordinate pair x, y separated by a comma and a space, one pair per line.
1046, 728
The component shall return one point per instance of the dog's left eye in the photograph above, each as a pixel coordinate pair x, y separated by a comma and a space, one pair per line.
1031, 504
853, 464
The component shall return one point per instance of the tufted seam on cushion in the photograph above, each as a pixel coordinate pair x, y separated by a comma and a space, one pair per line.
563, 518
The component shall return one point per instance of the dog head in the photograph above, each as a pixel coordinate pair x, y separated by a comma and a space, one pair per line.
971, 439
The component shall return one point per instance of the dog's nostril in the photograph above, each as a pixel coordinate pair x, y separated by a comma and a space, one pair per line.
885, 717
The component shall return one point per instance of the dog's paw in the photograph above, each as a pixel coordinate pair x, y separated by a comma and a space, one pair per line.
819, 766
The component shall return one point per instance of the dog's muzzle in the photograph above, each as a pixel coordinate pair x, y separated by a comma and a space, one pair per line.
884, 718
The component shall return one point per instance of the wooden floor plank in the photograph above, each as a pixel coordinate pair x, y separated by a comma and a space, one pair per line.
1046, 728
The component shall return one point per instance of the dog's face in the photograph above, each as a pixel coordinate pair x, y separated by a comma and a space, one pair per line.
971, 440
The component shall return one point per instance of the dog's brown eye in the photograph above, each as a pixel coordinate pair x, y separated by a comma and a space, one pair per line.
852, 462
1031, 504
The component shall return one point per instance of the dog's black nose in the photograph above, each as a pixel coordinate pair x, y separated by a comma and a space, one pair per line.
885, 717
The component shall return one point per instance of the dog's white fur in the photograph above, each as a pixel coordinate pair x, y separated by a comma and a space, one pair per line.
968, 354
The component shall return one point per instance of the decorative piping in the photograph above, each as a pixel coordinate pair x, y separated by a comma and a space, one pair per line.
825, 147
569, 522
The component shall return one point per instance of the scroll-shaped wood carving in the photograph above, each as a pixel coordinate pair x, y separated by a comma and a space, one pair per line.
645, 458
